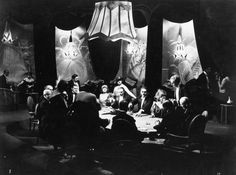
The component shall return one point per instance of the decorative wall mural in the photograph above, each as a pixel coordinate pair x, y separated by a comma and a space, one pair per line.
17, 51
72, 54
180, 54
136, 55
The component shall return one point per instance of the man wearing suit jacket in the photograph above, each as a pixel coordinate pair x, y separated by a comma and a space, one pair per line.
3, 79
144, 102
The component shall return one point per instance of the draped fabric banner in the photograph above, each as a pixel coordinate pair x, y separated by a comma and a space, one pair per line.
180, 53
134, 56
72, 55
17, 51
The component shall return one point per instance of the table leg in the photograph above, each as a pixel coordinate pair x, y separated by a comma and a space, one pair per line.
226, 115
221, 114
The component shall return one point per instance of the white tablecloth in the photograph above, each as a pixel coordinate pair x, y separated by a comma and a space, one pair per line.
144, 122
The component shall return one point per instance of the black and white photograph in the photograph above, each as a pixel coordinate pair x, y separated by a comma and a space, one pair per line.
138, 87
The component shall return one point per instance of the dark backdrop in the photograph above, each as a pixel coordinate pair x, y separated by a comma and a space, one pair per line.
215, 26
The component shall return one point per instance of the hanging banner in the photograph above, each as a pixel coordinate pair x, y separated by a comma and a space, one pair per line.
180, 53
72, 55
17, 51
134, 56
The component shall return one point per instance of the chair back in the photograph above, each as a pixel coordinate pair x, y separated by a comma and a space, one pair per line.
36, 110
30, 104
197, 127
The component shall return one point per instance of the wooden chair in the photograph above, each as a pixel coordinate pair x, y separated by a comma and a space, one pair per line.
193, 140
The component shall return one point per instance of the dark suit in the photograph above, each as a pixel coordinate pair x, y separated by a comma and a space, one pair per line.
86, 120
56, 120
71, 84
147, 104
41, 114
123, 127
172, 122
203, 81
3, 81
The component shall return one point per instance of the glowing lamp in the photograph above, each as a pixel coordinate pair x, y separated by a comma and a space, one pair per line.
7, 36
111, 21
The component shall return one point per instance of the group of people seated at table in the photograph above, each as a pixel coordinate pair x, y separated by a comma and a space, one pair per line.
69, 107
68, 113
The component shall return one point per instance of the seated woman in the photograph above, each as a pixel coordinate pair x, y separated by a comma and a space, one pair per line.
224, 83
105, 98
159, 99
27, 84
121, 95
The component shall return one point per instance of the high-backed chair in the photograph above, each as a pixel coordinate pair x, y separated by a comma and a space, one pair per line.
194, 138
33, 121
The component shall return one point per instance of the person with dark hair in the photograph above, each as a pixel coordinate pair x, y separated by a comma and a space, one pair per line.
27, 84
224, 84
203, 79
73, 82
172, 120
3, 79
72, 95
178, 87
57, 115
123, 125
89, 127
144, 102
119, 84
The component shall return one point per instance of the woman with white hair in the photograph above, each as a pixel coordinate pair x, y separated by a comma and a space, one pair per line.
105, 98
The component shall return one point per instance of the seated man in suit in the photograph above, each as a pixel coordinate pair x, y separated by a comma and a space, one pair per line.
56, 117
172, 120
123, 125
144, 102
84, 124
42, 112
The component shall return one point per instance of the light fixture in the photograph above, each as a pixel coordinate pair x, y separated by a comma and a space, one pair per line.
7, 36
111, 21
180, 48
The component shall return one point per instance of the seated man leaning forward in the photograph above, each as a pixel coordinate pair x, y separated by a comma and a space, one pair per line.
123, 125
88, 125
143, 102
